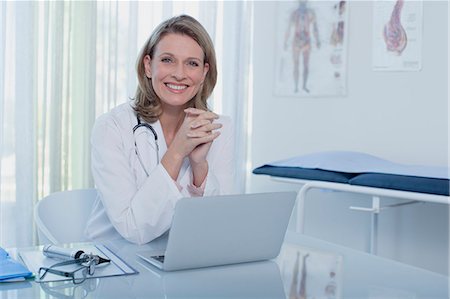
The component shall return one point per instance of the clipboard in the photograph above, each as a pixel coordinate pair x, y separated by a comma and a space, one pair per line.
34, 259
10, 269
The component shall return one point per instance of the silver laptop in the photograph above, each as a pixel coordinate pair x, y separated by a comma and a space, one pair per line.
220, 230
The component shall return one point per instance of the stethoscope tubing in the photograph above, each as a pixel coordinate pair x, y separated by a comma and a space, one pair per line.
136, 148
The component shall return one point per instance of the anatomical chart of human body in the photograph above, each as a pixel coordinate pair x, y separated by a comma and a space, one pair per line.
311, 48
397, 35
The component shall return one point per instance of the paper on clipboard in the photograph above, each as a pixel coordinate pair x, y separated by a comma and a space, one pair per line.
34, 259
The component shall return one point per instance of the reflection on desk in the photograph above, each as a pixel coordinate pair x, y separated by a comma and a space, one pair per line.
68, 290
365, 275
358, 275
248, 280
308, 272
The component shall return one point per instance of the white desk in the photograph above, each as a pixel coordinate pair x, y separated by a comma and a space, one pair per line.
362, 276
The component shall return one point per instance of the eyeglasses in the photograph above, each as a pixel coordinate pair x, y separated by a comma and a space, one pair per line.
79, 275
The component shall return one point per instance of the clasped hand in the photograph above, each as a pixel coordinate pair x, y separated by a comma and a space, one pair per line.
196, 134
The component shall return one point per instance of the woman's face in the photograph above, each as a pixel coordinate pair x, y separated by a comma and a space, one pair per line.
177, 69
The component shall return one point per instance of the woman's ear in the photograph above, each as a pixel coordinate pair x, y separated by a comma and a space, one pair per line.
147, 66
205, 71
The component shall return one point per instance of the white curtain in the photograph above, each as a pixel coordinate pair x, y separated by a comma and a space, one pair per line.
64, 63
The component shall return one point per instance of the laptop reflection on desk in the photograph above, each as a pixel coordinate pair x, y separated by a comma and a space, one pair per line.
221, 230
249, 280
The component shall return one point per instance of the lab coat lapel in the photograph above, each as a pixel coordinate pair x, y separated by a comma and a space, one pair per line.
161, 139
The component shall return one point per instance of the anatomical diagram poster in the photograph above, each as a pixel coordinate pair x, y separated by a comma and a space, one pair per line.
397, 35
311, 46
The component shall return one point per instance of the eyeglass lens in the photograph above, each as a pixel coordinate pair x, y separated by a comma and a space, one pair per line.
80, 275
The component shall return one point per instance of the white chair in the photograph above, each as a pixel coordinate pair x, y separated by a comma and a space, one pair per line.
61, 217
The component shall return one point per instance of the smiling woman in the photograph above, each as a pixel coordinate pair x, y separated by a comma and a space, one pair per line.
171, 51
63, 63
137, 193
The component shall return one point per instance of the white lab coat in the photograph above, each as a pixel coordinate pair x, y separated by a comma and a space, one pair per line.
129, 203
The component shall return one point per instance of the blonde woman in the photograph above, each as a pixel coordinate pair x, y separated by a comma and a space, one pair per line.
165, 144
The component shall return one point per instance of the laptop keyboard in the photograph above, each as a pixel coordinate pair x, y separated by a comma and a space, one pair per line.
159, 258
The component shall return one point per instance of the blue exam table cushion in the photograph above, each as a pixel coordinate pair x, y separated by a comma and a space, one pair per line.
402, 182
361, 169
357, 163
305, 173
377, 180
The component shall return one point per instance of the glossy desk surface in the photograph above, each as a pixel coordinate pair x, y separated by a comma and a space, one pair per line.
329, 271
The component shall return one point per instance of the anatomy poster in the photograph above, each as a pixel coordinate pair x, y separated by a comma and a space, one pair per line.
311, 48
397, 35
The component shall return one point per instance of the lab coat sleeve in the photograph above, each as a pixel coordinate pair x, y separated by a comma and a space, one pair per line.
138, 214
221, 172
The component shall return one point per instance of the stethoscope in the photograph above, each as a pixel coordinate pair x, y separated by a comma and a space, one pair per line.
136, 149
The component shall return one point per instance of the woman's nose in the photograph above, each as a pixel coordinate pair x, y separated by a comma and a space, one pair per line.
179, 72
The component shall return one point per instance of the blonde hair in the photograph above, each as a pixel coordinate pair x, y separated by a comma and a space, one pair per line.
147, 103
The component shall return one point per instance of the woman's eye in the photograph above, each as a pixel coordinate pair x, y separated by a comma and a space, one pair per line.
166, 60
193, 63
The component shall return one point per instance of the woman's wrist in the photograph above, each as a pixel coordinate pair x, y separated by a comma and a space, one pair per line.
172, 162
199, 172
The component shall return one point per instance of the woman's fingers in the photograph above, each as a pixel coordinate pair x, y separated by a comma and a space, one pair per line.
208, 138
194, 111
202, 113
198, 128
203, 130
198, 123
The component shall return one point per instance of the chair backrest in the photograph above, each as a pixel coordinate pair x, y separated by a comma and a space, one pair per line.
61, 217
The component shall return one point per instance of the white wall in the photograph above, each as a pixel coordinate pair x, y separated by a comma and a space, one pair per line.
399, 116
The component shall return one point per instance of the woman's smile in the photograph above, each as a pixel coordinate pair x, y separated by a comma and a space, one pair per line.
176, 87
